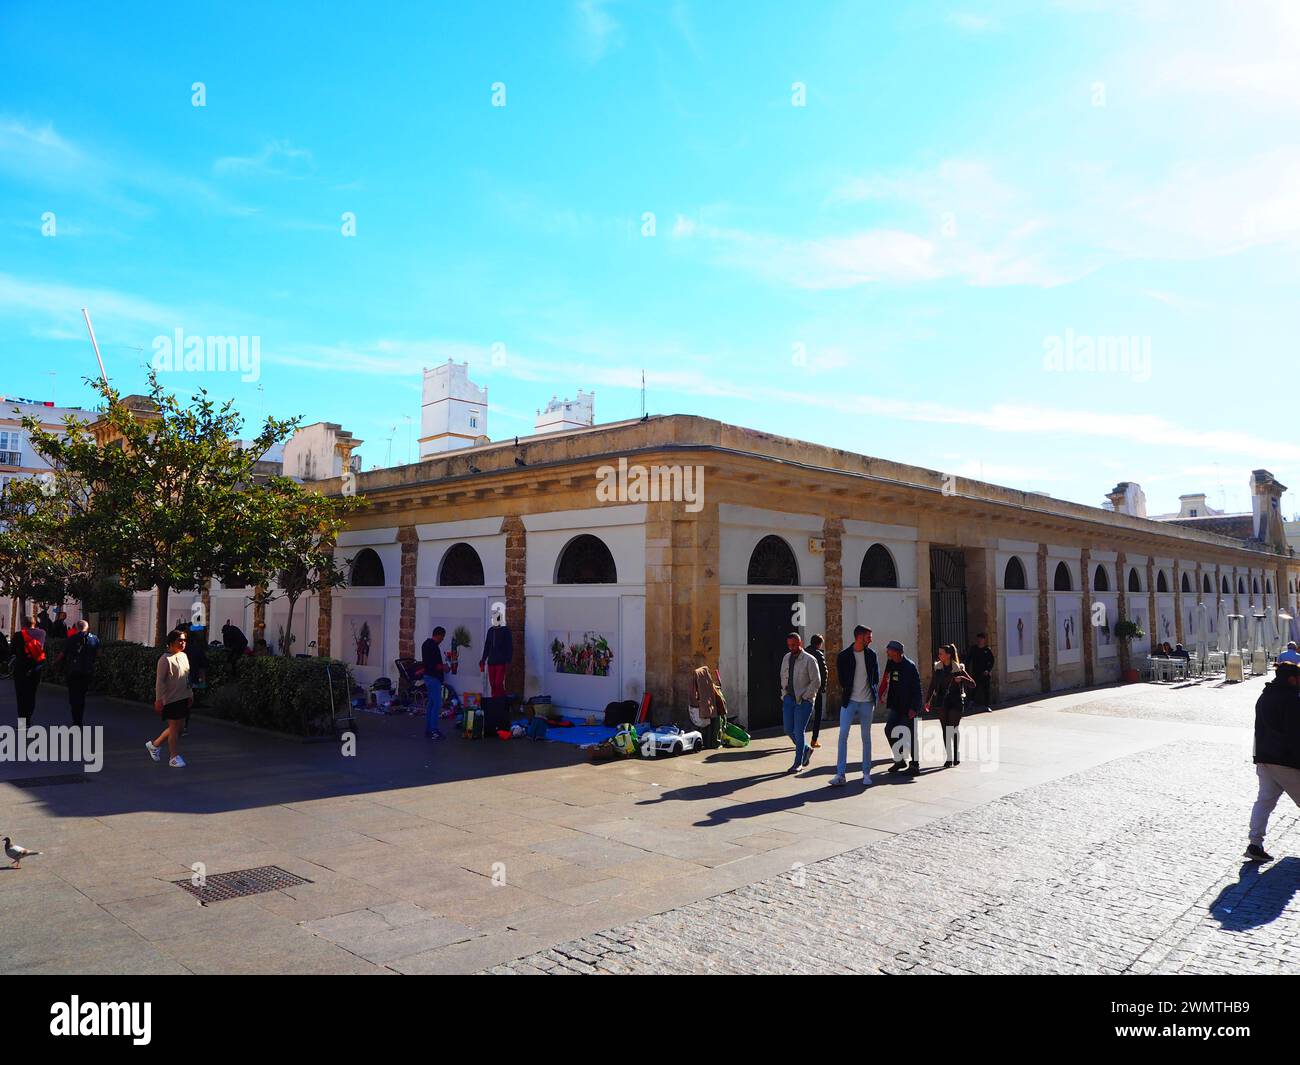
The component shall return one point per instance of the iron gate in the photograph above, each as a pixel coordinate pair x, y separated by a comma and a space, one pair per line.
947, 599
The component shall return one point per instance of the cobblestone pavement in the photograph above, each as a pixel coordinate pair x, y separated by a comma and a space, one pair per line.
1133, 866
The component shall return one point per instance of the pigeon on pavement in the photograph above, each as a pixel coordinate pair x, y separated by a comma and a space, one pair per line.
16, 854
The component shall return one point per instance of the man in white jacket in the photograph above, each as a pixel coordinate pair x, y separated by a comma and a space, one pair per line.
800, 682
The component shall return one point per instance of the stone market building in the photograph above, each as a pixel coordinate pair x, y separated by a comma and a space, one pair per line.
577, 537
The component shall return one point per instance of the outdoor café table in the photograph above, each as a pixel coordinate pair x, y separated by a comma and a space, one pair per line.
1161, 669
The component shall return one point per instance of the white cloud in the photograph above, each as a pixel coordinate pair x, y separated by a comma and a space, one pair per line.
277, 158
597, 30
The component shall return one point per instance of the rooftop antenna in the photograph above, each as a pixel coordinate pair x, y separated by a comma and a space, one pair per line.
95, 344
642, 393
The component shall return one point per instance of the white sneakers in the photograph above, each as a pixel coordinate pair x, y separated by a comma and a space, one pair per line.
838, 781
156, 754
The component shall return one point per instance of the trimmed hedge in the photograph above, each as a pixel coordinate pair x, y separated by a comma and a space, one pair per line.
283, 694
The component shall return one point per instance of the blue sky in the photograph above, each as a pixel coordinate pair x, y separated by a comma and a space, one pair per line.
885, 268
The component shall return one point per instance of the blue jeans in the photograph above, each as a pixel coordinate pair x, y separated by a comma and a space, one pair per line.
433, 702
794, 716
863, 711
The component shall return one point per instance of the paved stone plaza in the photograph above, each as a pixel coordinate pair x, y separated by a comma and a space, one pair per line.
1096, 832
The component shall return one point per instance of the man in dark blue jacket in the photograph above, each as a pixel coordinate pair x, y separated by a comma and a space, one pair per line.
904, 701
1277, 752
859, 677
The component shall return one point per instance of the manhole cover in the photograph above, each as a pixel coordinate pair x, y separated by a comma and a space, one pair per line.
49, 782
242, 882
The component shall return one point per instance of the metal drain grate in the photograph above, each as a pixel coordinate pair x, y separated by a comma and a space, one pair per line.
242, 882
48, 782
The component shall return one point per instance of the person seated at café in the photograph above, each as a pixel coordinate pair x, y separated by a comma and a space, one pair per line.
1180, 652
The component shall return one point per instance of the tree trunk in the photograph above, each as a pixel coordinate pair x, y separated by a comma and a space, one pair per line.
160, 626
288, 627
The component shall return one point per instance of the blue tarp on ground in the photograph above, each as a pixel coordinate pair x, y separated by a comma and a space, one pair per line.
580, 735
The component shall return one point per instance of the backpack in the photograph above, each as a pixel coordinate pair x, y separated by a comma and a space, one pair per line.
34, 650
620, 712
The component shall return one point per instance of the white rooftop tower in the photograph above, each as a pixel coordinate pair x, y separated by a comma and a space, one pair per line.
561, 414
454, 409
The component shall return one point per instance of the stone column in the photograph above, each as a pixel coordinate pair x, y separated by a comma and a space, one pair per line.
982, 607
516, 580
1044, 624
923, 652
683, 599
833, 533
1121, 608
1178, 603
324, 621
1236, 596
410, 541
1087, 632
1151, 602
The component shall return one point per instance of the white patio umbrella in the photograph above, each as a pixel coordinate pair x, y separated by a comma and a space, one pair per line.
1270, 633
1202, 615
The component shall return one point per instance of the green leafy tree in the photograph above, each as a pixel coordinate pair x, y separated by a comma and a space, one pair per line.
36, 560
290, 532
155, 492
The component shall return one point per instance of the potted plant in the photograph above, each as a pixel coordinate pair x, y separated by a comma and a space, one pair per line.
459, 638
1126, 631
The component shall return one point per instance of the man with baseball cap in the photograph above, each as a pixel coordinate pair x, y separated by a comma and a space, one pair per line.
903, 700
1277, 752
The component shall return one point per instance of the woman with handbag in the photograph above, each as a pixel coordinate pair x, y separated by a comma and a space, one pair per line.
947, 695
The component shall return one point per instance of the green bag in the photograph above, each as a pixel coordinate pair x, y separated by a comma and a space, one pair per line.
734, 736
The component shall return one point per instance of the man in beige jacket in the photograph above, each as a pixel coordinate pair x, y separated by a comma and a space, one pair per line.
801, 680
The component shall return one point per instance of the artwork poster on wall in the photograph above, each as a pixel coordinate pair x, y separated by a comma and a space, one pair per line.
580, 653
1069, 643
363, 636
1020, 633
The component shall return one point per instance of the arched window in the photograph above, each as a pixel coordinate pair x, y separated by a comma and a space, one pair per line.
367, 570
1268, 585
1013, 579
1224, 585
878, 569
1207, 585
1100, 582
1254, 585
1187, 583
1162, 585
1061, 581
460, 567
1134, 581
772, 562
586, 560
1241, 585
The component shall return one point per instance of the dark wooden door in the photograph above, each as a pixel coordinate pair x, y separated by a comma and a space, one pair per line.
769, 622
